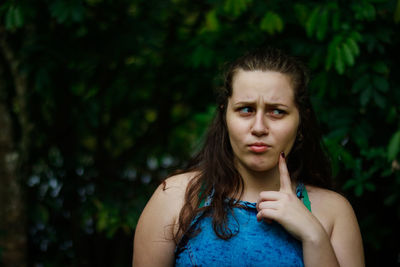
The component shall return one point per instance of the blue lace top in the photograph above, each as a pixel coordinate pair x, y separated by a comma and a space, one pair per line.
253, 243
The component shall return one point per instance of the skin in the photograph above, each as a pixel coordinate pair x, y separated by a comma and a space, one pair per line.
260, 110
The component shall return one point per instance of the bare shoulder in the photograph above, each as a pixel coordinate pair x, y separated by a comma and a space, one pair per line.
171, 193
173, 189
154, 241
337, 216
321, 196
177, 183
328, 205
164, 206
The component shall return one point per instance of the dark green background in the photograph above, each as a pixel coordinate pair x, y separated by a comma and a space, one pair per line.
107, 97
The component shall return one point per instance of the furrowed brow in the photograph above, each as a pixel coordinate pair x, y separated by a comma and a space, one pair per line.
251, 103
244, 103
275, 105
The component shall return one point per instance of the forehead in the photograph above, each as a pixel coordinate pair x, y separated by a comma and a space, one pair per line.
270, 86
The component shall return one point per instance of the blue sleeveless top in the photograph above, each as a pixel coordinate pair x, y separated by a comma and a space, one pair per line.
253, 243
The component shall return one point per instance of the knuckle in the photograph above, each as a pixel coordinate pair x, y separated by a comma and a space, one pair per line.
261, 213
286, 197
264, 213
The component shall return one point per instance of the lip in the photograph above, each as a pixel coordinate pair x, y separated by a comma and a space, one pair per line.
259, 147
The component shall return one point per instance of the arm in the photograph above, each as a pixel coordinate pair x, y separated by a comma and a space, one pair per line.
317, 247
154, 243
330, 235
344, 238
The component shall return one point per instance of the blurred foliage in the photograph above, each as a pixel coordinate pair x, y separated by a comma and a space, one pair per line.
120, 94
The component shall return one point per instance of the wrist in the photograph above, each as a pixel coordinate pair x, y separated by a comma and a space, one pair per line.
316, 236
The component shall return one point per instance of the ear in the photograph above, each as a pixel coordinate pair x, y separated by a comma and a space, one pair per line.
299, 136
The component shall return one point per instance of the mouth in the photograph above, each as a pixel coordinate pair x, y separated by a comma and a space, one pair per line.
259, 147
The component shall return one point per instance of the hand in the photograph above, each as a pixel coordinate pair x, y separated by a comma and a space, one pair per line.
286, 208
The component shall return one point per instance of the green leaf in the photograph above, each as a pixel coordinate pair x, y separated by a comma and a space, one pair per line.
380, 101
391, 115
322, 24
336, 21
151, 115
311, 24
301, 13
202, 56
366, 95
353, 46
339, 62
370, 187
364, 11
361, 133
271, 23
347, 158
332, 51
236, 7
359, 190
329, 59
212, 23
396, 15
361, 83
356, 36
369, 12
14, 18
348, 56
380, 83
65, 11
380, 67
18, 19
349, 184
10, 19
59, 11
394, 146
391, 199
78, 89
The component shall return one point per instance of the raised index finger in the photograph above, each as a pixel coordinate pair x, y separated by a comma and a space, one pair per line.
286, 184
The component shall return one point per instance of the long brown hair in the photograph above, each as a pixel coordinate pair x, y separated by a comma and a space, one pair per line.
214, 163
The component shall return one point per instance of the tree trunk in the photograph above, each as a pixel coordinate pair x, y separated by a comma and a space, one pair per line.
13, 234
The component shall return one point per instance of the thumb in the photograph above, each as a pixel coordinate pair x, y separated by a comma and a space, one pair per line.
286, 184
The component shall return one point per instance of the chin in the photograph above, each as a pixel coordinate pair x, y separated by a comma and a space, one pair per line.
256, 164
261, 167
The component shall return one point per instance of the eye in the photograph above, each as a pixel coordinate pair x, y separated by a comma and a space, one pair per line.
278, 113
245, 110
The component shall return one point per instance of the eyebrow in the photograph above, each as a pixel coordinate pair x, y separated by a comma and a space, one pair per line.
241, 103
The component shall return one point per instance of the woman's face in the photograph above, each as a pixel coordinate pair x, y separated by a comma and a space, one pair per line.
262, 118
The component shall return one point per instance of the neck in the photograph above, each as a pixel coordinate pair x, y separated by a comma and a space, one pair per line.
256, 182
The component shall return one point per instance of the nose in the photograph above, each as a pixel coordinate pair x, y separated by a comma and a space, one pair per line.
259, 127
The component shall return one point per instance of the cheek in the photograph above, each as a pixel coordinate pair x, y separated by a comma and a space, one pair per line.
232, 131
287, 135
236, 131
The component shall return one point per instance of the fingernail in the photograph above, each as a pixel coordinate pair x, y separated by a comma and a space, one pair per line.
283, 154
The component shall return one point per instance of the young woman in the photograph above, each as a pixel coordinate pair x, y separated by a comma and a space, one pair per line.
257, 194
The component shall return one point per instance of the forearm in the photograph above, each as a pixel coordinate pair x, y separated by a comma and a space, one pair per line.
318, 250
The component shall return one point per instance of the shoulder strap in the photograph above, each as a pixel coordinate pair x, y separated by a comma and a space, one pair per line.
306, 200
201, 193
301, 193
